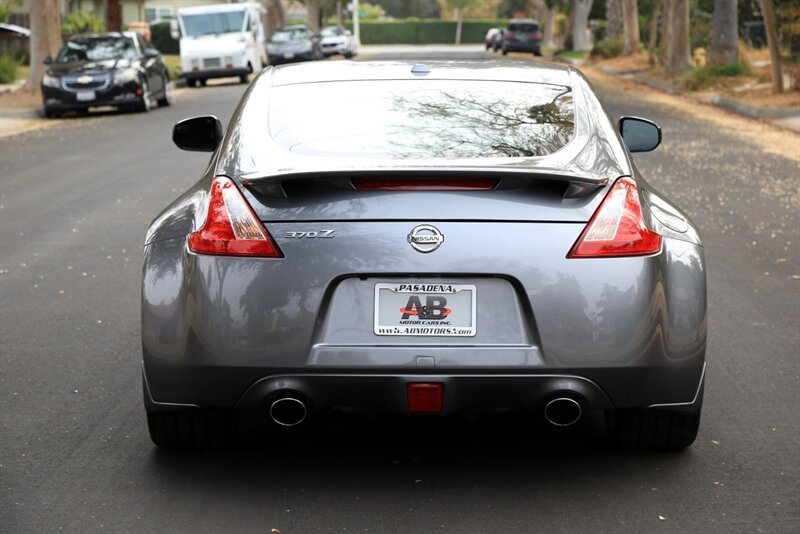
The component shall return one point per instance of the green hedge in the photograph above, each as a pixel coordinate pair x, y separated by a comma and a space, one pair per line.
425, 31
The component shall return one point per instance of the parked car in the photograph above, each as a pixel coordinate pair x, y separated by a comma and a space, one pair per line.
450, 238
522, 35
490, 37
293, 43
338, 40
220, 40
105, 69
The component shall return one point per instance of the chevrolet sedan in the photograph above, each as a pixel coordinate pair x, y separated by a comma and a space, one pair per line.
450, 238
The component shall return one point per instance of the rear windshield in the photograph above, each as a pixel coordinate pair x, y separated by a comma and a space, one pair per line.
282, 36
421, 119
523, 27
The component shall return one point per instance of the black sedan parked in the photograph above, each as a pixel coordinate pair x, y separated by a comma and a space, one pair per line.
108, 69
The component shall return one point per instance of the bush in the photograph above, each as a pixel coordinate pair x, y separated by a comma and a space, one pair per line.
411, 31
162, 40
81, 22
709, 75
608, 48
9, 69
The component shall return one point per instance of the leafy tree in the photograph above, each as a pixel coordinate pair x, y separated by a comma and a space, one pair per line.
458, 6
82, 22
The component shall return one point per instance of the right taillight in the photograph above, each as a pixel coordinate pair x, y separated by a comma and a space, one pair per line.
617, 227
231, 228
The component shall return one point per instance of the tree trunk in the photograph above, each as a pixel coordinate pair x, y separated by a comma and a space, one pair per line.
665, 48
113, 15
630, 13
614, 18
724, 34
774, 46
580, 24
312, 12
680, 57
653, 26
276, 17
459, 20
45, 39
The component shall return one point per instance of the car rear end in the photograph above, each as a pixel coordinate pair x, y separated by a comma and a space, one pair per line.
382, 280
523, 36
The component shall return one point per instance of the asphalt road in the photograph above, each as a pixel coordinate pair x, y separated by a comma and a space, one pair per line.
75, 456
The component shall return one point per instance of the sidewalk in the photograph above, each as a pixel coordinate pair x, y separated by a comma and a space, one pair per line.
786, 118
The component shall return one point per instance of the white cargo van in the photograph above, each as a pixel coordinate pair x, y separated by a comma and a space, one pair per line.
221, 40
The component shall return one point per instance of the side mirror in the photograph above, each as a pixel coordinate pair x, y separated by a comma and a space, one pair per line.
47, 61
174, 29
151, 53
198, 134
639, 135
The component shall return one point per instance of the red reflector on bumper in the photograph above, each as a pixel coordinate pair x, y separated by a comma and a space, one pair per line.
425, 397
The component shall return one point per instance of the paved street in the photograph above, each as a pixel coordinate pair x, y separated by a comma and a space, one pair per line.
75, 456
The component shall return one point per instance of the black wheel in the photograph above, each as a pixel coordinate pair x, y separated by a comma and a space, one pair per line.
190, 429
145, 100
654, 429
50, 113
191, 82
202, 82
166, 98
505, 52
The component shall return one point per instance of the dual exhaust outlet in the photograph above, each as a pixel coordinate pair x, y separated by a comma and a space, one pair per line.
291, 411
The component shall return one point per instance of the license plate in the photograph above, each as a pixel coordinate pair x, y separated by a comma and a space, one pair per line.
415, 309
85, 96
288, 55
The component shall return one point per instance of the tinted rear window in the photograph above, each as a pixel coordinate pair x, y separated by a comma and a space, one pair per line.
421, 119
523, 27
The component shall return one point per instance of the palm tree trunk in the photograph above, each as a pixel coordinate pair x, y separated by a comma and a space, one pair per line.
630, 14
724, 34
774, 47
45, 39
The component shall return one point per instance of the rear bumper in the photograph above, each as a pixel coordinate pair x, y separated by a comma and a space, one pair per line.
215, 73
463, 393
516, 46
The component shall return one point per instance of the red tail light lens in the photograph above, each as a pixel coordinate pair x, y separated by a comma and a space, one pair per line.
537, 36
231, 228
509, 35
423, 184
617, 228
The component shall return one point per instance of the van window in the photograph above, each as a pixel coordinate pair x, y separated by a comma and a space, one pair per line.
213, 23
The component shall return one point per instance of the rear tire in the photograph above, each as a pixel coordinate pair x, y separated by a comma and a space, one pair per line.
505, 52
49, 113
654, 429
144, 103
166, 98
191, 82
189, 429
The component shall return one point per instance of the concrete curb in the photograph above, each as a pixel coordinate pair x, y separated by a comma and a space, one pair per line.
655, 83
751, 111
621, 72
21, 114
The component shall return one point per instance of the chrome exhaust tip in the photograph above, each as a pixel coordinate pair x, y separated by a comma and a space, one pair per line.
563, 411
288, 411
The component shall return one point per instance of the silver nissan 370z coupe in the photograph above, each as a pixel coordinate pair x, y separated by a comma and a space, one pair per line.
429, 239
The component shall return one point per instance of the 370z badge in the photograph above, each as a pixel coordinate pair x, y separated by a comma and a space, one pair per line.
313, 234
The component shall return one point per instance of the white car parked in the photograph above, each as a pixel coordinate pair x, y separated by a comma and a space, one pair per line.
338, 40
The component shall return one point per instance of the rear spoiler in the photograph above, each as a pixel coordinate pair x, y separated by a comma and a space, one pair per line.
577, 186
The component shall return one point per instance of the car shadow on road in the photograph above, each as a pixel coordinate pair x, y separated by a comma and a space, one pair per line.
498, 454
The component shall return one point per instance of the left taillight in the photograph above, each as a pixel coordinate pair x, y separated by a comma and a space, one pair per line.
231, 228
617, 228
